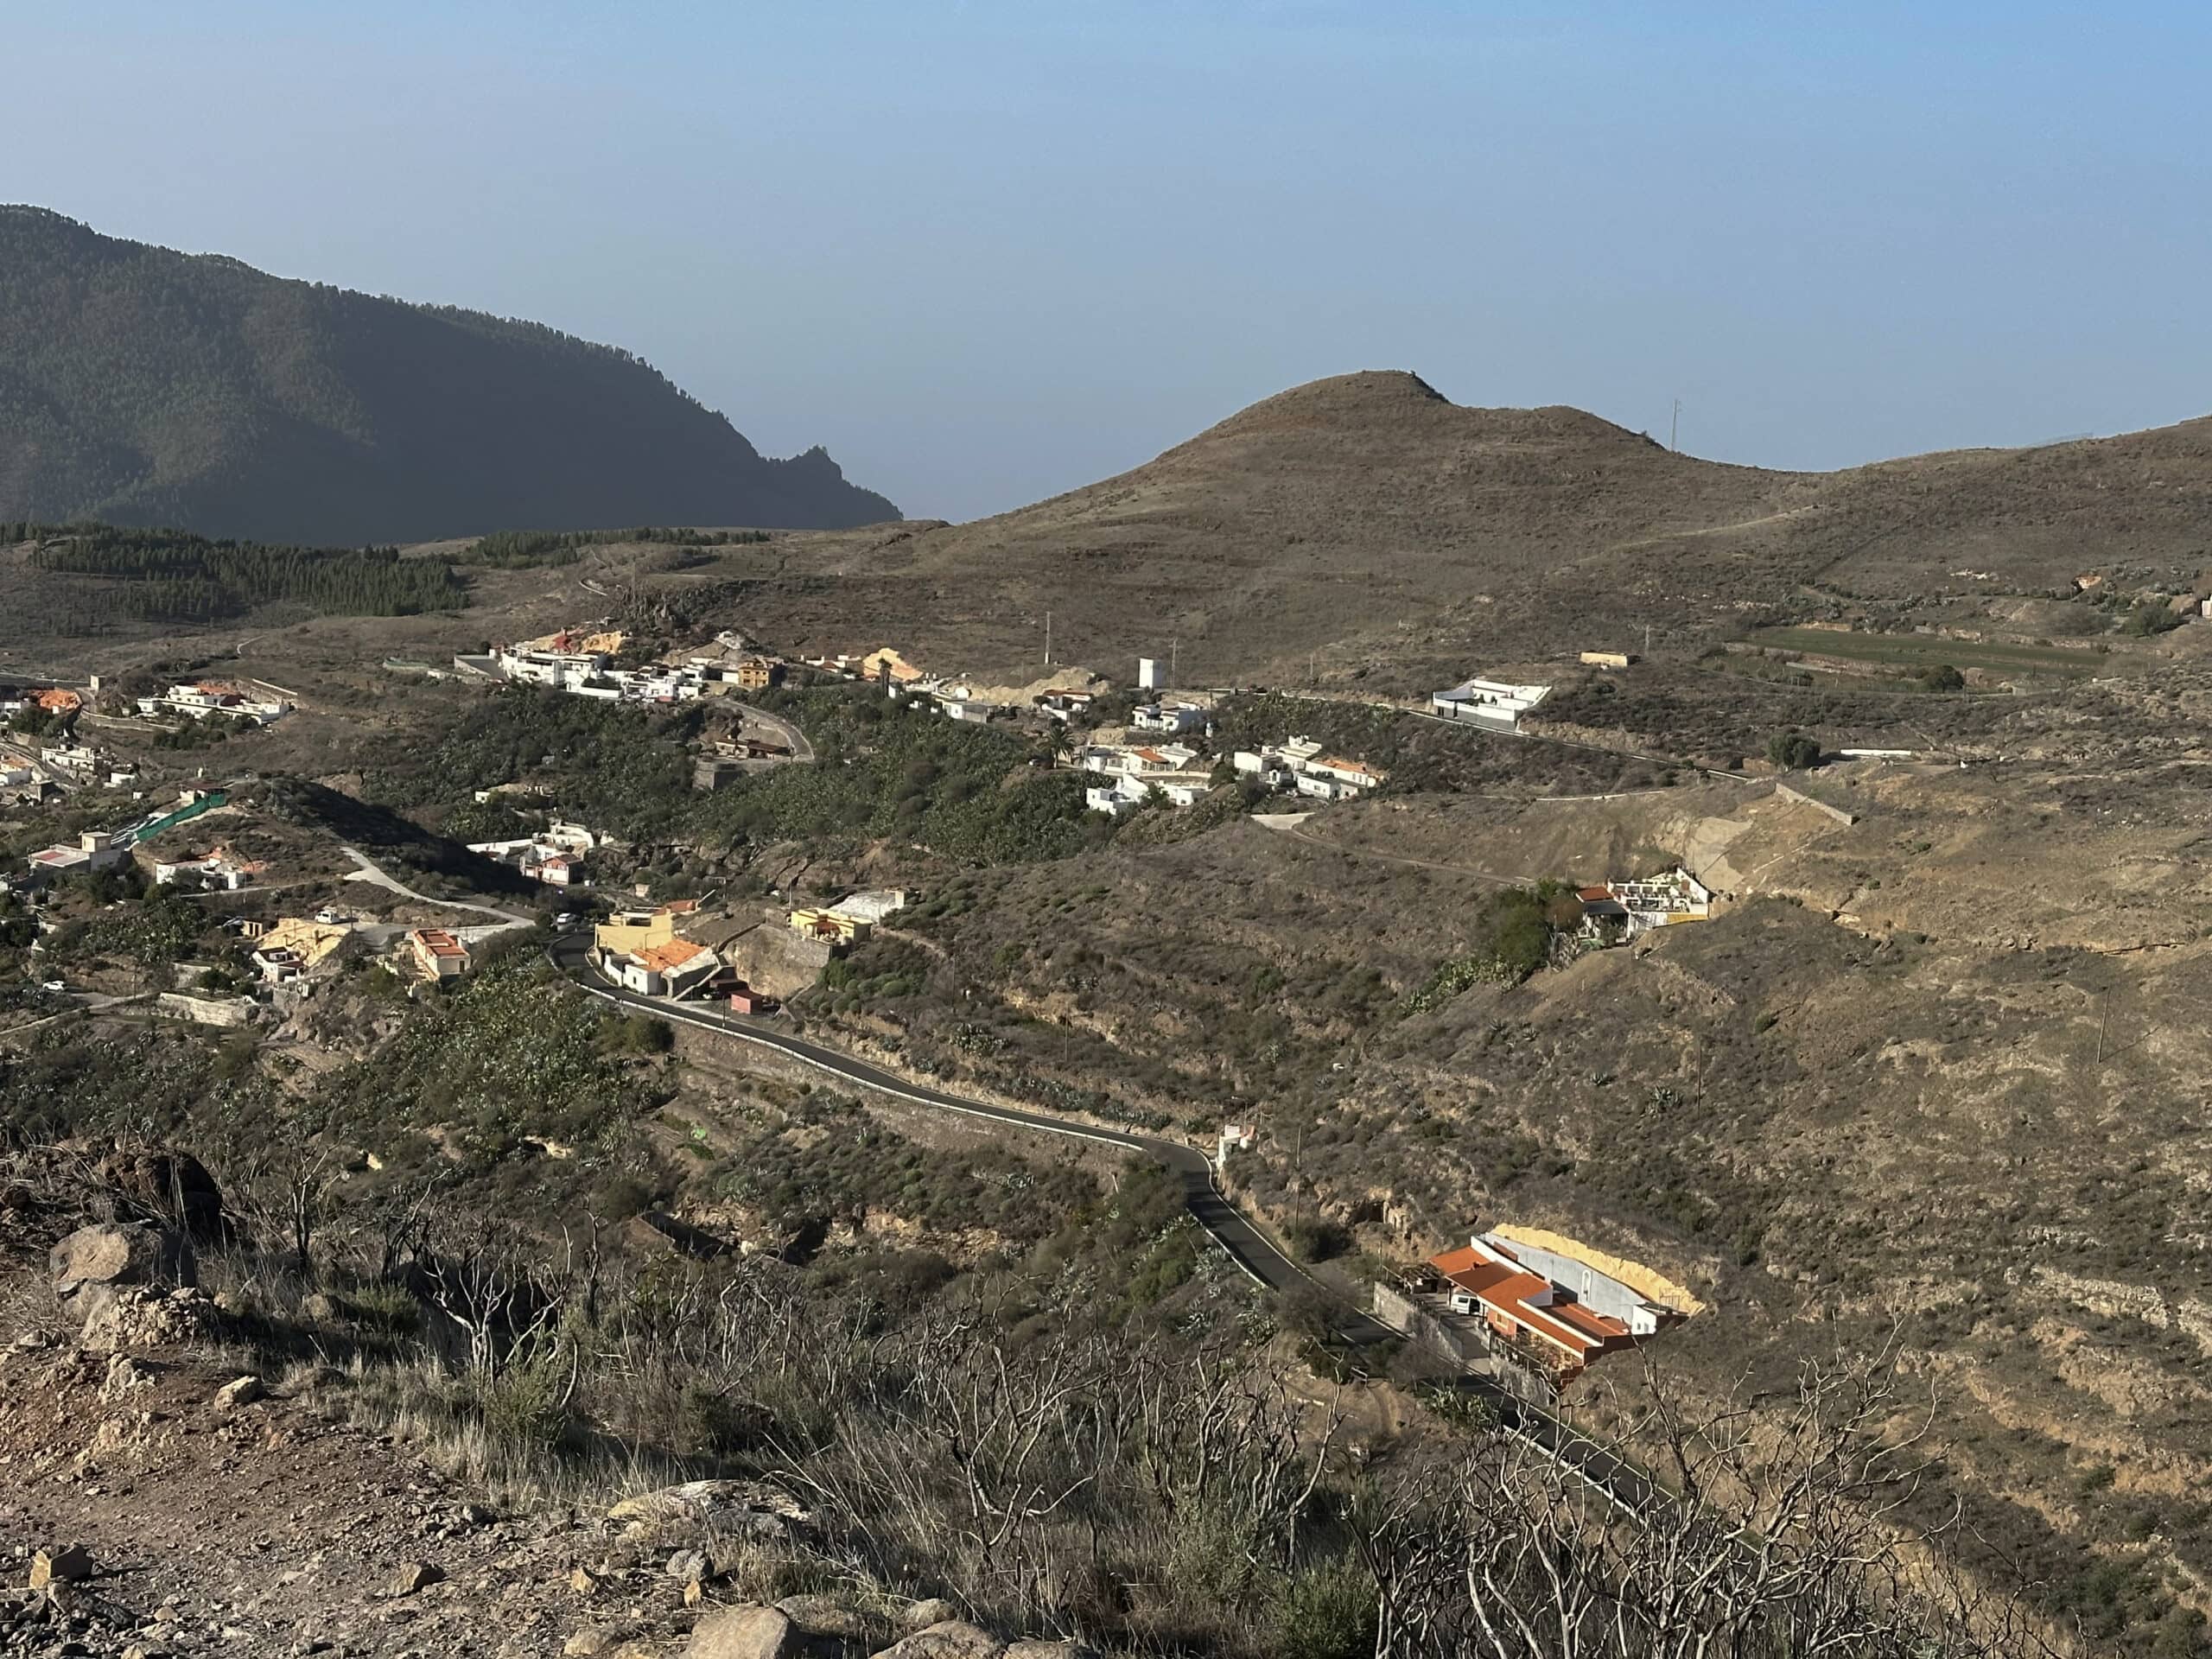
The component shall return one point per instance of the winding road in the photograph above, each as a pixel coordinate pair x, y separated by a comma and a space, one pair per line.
384, 933
1604, 1470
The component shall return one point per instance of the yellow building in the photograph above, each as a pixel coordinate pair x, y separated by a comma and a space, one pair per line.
829, 925
630, 931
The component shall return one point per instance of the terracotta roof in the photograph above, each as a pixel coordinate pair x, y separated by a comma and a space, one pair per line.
438, 941
1587, 894
1505, 1286
662, 957
678, 907
1596, 1325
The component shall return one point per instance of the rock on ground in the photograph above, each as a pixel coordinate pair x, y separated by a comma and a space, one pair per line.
118, 1253
746, 1632
68, 1565
752, 1506
953, 1639
934, 1610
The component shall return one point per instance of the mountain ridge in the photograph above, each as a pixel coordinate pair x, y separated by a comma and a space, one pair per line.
1365, 522
140, 385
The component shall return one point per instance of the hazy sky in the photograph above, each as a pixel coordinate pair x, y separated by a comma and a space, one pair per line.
985, 251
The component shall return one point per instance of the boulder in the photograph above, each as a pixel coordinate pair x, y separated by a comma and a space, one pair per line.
70, 1564
594, 1640
240, 1391
1040, 1648
826, 1617
935, 1609
955, 1638
415, 1577
746, 1632
118, 1253
689, 1566
171, 1185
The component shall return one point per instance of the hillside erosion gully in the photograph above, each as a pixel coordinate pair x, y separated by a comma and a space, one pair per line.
1603, 1468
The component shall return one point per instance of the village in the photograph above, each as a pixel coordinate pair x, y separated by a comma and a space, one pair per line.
1534, 1315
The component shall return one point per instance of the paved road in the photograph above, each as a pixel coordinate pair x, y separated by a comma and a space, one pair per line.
369, 872
1607, 1473
802, 750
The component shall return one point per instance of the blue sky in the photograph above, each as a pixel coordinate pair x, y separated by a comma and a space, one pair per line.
986, 251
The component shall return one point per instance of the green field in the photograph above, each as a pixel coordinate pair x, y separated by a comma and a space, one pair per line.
1916, 651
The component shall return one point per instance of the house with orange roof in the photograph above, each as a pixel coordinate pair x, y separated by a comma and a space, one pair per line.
672, 968
1564, 1327
1298, 763
437, 954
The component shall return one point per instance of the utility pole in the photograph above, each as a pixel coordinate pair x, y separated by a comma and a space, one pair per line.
1048, 638
1647, 640
1171, 646
1674, 429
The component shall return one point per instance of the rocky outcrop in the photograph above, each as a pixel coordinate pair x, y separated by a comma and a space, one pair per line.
152, 1184
115, 1254
137, 1317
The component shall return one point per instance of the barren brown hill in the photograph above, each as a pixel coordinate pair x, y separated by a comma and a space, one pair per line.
1369, 519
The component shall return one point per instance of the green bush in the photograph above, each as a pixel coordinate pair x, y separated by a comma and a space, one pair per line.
1792, 751
1315, 1238
1327, 1612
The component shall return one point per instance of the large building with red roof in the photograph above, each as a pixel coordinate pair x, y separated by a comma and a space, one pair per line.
1488, 1279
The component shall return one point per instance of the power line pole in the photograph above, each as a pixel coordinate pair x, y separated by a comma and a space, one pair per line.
1048, 638
1172, 644
1674, 429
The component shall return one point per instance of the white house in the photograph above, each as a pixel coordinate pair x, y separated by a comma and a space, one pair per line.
564, 669
1676, 896
1138, 757
94, 851
1262, 766
207, 697
668, 969
217, 869
1491, 703
1174, 718
1065, 706
872, 905
1298, 763
1124, 795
